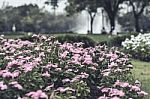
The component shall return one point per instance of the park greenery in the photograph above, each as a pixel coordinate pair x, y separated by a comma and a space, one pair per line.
41, 57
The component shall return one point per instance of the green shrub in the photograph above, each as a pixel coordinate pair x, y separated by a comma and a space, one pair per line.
88, 42
27, 37
117, 41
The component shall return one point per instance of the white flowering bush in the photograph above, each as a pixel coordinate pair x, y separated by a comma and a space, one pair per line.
46, 69
138, 47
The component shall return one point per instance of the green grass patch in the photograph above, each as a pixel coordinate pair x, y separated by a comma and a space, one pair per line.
141, 72
96, 37
13, 36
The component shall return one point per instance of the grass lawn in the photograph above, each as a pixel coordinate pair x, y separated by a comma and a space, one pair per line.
141, 72
100, 38
96, 37
14, 36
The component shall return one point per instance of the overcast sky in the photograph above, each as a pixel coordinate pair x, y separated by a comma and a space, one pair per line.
40, 3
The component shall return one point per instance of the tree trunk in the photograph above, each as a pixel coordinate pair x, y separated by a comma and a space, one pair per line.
137, 26
112, 24
91, 25
91, 21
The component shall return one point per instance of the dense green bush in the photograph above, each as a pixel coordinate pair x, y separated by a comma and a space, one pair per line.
27, 37
88, 42
117, 41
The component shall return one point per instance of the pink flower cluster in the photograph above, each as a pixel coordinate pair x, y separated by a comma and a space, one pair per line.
119, 90
3, 86
35, 95
47, 69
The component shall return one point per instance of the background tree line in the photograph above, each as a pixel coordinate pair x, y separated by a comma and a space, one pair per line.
112, 8
30, 18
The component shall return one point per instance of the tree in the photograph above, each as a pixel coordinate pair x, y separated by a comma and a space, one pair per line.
76, 6
111, 7
138, 7
126, 21
53, 3
30, 18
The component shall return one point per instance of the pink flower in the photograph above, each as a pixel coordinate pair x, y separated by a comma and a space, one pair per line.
116, 92
77, 51
13, 83
3, 71
15, 74
49, 65
117, 83
135, 88
23, 98
115, 97
42, 54
106, 73
142, 93
102, 97
112, 56
2, 86
75, 62
36, 95
49, 87
112, 64
7, 74
16, 85
58, 69
125, 85
64, 54
93, 68
27, 69
62, 89
84, 75
121, 84
37, 48
28, 66
88, 59
46, 74
66, 80
76, 56
101, 59
105, 90
38, 59
13, 63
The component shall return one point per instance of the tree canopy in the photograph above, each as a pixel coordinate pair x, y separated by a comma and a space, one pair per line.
30, 18
76, 6
138, 7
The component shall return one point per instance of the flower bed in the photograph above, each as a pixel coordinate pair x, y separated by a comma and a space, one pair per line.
46, 69
138, 47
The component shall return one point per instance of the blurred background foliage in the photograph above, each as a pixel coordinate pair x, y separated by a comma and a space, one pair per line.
30, 18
